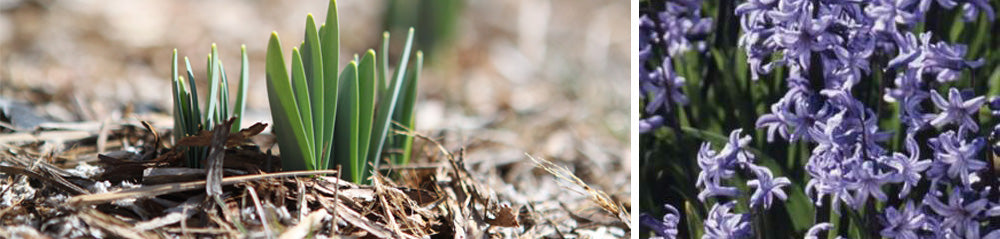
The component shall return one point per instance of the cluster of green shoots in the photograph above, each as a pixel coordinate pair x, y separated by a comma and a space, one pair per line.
188, 118
322, 117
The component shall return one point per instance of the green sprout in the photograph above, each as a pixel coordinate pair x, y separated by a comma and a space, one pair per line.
188, 118
323, 119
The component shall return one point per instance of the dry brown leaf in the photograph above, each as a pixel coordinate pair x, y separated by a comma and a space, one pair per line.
204, 138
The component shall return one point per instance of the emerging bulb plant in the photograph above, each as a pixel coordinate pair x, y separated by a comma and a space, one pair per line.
322, 118
189, 120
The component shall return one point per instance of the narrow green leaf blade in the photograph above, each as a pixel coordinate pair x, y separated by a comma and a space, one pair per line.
387, 104
330, 46
404, 112
175, 90
284, 112
383, 66
313, 59
241, 100
301, 91
193, 86
213, 91
366, 102
223, 109
346, 132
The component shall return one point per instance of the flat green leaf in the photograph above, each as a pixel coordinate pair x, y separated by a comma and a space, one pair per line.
346, 133
330, 46
196, 117
301, 93
387, 103
213, 73
223, 109
284, 112
313, 59
175, 90
383, 66
241, 101
366, 104
404, 112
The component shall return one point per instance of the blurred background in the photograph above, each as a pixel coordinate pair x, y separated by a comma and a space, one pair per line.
545, 77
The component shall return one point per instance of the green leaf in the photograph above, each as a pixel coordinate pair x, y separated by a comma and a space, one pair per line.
223, 110
241, 101
313, 59
346, 135
175, 90
387, 103
383, 66
301, 91
213, 73
196, 117
284, 112
330, 46
366, 104
404, 113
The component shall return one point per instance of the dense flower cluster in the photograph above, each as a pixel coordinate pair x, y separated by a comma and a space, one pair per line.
716, 167
849, 162
667, 34
828, 47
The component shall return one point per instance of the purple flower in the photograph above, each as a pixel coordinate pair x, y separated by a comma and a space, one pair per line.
888, 13
723, 224
956, 110
828, 180
713, 170
945, 60
665, 229
971, 9
808, 35
649, 124
869, 184
994, 105
766, 187
958, 215
797, 111
902, 223
736, 148
908, 169
957, 157
815, 229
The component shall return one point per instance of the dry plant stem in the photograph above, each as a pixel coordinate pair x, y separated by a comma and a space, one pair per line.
600, 197
56, 180
156, 190
260, 211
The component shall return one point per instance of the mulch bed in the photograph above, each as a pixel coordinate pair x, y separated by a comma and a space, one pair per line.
125, 180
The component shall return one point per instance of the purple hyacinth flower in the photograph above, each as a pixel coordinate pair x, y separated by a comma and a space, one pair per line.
971, 8
808, 35
666, 228
736, 148
723, 224
869, 184
958, 215
956, 110
713, 170
888, 13
649, 124
994, 105
908, 168
947, 61
815, 229
957, 156
902, 223
766, 187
